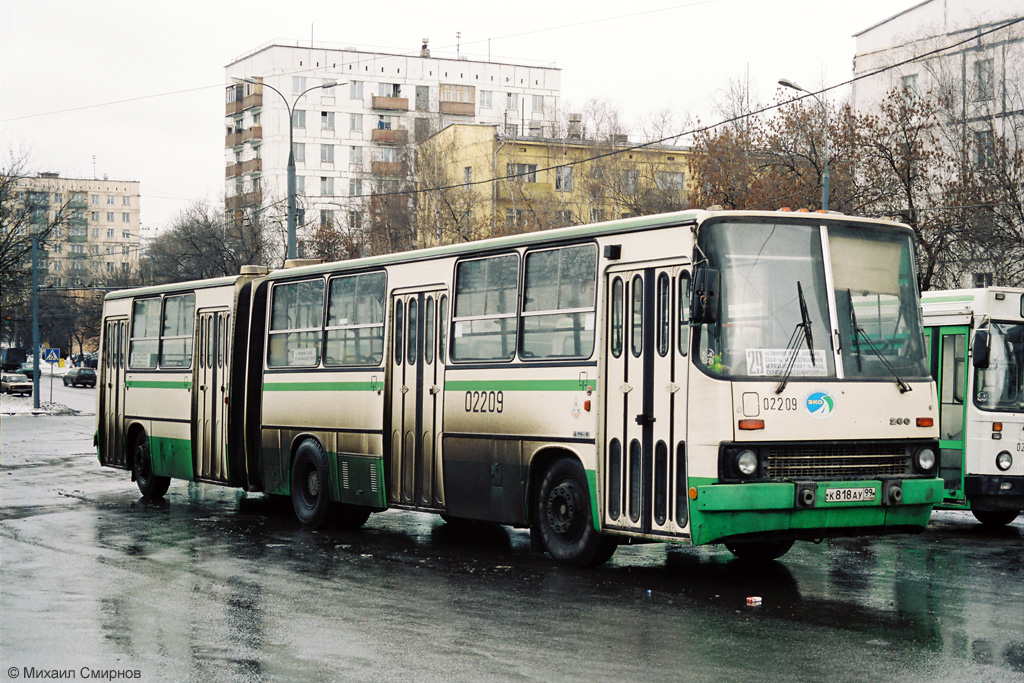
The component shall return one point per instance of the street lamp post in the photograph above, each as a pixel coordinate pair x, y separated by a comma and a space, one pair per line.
786, 83
291, 149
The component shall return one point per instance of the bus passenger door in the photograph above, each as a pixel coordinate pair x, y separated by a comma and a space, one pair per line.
210, 453
417, 398
645, 418
112, 392
952, 381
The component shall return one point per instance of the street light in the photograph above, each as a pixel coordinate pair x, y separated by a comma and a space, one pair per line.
291, 149
786, 83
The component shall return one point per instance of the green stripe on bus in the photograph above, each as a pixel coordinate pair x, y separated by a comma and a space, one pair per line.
321, 386
158, 384
518, 385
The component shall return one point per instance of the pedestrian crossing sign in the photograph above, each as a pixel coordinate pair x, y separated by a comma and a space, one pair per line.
51, 355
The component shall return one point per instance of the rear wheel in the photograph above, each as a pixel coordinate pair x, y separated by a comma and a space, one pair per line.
310, 479
563, 519
995, 518
759, 551
150, 485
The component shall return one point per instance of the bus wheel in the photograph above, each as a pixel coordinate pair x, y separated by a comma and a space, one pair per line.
995, 517
563, 517
151, 485
351, 517
310, 480
759, 551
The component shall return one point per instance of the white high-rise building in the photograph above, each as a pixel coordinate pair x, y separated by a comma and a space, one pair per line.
352, 140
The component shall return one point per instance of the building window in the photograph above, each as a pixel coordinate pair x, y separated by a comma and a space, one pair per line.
326, 186
126, 201
110, 233
110, 267
563, 178
355, 121
95, 199
95, 216
300, 184
596, 215
355, 90
110, 216
538, 103
984, 152
485, 98
327, 120
110, 199
983, 280
327, 91
126, 234
125, 249
467, 174
512, 130
389, 90
512, 101
298, 84
326, 218
670, 180
388, 154
630, 181
299, 118
125, 217
908, 84
983, 71
299, 150
355, 187
355, 220
451, 92
327, 154
523, 173
384, 122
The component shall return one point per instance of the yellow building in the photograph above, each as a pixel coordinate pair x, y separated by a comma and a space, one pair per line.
475, 182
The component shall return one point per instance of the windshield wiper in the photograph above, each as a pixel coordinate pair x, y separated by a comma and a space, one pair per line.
801, 333
859, 332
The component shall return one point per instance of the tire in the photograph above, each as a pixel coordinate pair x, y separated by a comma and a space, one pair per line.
759, 551
309, 482
65, 381
350, 517
150, 485
995, 518
563, 520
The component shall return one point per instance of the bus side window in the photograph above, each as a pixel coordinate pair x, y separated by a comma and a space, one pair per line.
559, 305
442, 331
145, 336
616, 332
176, 336
485, 302
684, 313
296, 324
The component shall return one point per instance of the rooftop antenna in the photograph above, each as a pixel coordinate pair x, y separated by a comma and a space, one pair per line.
458, 37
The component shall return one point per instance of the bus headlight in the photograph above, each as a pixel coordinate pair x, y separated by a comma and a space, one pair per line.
746, 462
1004, 460
925, 459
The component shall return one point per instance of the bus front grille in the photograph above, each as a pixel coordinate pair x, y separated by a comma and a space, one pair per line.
836, 461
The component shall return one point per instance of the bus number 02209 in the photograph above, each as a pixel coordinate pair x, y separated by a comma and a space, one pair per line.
774, 403
485, 401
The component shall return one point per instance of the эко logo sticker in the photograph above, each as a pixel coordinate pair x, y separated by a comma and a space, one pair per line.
820, 404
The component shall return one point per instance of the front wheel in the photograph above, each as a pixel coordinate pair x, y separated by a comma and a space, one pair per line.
150, 485
759, 551
563, 519
995, 518
310, 480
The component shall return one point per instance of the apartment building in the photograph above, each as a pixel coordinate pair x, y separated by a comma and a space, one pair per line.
353, 138
99, 236
502, 183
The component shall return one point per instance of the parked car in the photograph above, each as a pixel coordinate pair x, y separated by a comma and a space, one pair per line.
14, 383
84, 376
28, 370
90, 359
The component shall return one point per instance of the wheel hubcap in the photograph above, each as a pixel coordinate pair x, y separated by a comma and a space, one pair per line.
313, 484
561, 508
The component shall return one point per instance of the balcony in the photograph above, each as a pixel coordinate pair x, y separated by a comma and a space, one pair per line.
391, 103
233, 139
232, 108
253, 100
458, 108
78, 204
77, 239
232, 170
391, 137
78, 255
241, 201
389, 168
508, 190
254, 133
252, 166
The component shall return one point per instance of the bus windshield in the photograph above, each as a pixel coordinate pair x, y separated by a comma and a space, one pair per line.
1000, 386
774, 319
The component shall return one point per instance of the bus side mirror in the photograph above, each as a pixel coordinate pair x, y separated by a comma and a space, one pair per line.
705, 296
980, 350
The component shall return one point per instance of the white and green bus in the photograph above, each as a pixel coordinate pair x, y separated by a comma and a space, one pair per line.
746, 378
976, 351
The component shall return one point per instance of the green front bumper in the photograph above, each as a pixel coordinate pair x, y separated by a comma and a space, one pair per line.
769, 510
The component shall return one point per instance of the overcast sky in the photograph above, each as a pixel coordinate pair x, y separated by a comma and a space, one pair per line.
140, 85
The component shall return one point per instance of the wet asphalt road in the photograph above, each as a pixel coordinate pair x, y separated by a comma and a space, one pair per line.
214, 584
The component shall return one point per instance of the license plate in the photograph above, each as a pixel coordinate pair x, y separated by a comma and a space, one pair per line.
858, 494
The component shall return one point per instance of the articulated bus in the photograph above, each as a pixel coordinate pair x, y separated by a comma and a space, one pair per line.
976, 351
744, 378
